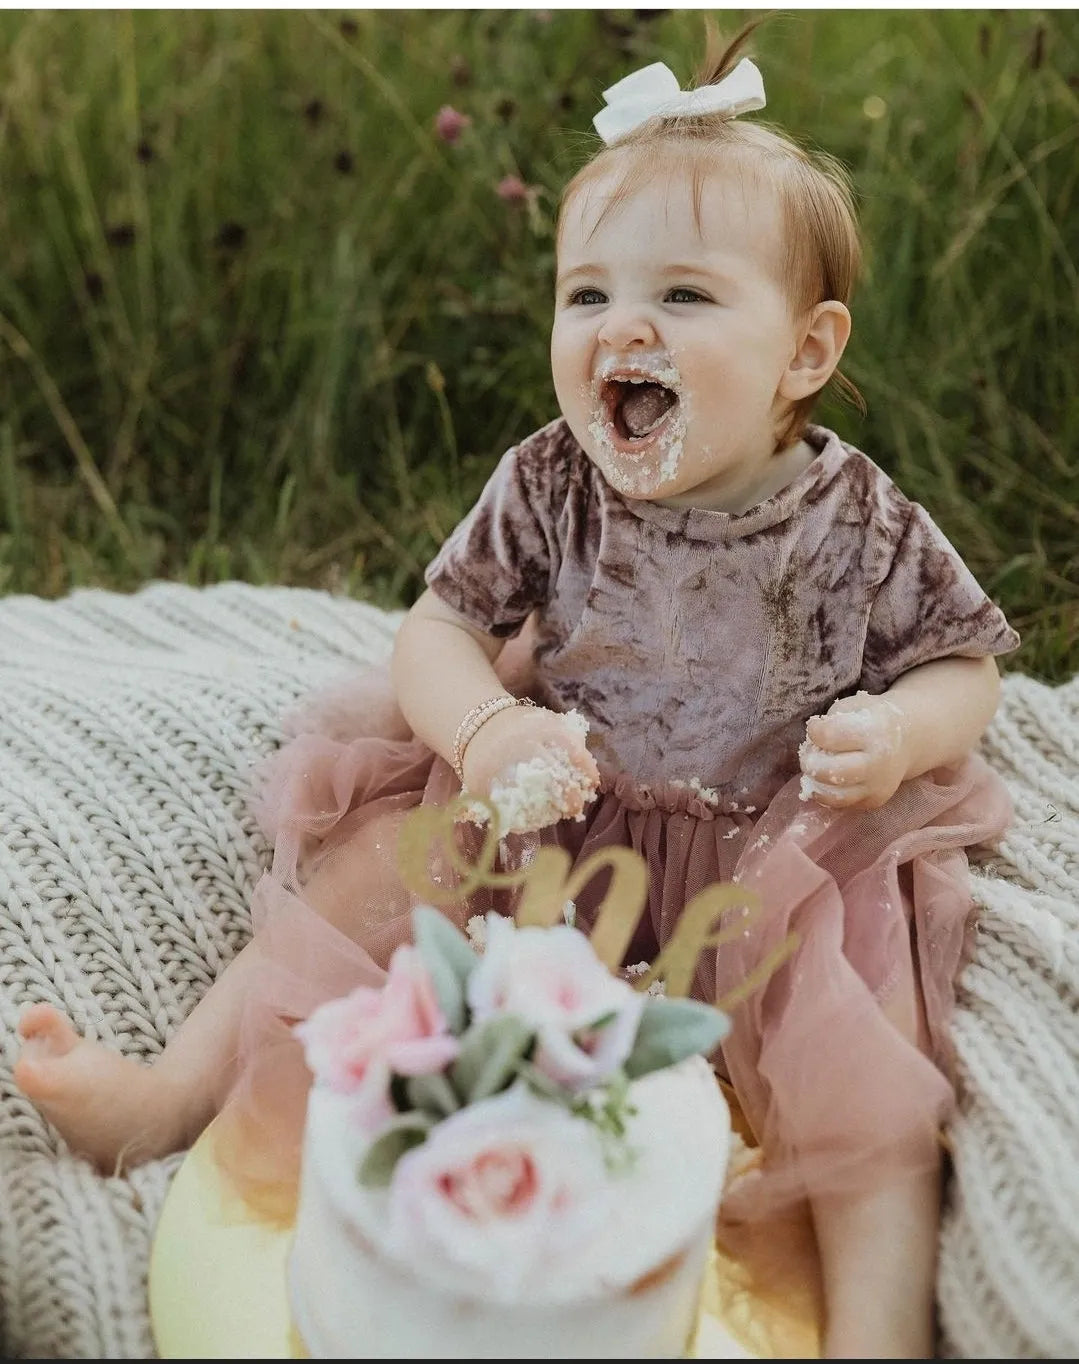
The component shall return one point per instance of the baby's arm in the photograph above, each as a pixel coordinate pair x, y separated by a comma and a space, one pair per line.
365, 702
856, 756
442, 667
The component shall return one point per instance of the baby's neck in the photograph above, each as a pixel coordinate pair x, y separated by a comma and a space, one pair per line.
783, 468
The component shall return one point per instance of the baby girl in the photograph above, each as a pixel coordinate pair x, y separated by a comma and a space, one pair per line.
747, 655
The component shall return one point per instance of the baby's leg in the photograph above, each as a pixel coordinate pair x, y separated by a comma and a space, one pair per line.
117, 1110
878, 1250
878, 1262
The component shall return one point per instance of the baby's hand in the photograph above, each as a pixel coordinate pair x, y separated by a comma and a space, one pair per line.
854, 758
533, 765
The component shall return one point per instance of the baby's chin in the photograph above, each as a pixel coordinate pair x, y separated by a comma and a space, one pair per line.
637, 482
679, 492
647, 475
643, 475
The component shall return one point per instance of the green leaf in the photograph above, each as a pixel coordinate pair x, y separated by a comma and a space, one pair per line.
544, 1086
432, 1094
672, 1029
401, 1135
603, 1021
608, 1108
491, 1055
448, 957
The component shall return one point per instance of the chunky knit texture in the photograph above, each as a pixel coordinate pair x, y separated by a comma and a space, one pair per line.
127, 861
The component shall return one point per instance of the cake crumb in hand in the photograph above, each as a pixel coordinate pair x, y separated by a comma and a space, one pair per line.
540, 791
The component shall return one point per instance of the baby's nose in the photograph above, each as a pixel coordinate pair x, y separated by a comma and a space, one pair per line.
627, 327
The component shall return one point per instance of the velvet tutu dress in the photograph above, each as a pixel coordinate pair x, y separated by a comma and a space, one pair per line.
697, 644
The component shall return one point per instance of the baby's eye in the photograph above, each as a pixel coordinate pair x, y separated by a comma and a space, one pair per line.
587, 297
682, 294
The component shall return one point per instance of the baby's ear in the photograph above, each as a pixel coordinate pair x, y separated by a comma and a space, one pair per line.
824, 338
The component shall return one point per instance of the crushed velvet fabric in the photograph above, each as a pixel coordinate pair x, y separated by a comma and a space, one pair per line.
698, 643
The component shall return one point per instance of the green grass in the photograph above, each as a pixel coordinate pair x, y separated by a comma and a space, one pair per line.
258, 321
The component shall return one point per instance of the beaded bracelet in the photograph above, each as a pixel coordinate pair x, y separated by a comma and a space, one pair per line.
473, 719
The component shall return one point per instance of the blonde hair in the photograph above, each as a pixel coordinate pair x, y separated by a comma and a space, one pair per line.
823, 254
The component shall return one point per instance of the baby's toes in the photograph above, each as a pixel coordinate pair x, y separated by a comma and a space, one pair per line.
46, 1031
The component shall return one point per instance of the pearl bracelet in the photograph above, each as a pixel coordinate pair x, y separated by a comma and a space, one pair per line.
473, 719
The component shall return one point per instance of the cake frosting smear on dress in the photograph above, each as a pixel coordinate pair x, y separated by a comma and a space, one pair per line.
487, 1165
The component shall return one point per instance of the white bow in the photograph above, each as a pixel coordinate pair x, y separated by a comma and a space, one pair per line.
654, 90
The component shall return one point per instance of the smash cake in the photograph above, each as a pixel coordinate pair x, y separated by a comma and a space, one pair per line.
510, 1152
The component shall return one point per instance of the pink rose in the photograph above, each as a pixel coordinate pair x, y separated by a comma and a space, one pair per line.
553, 980
450, 123
353, 1044
499, 1197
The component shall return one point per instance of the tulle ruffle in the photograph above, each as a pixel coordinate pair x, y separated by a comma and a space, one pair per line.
840, 1061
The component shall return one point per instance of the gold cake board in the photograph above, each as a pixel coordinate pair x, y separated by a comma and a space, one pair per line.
217, 1285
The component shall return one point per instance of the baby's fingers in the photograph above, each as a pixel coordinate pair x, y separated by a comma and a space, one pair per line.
835, 797
833, 769
837, 733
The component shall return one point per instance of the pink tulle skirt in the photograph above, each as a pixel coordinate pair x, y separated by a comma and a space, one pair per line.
839, 1061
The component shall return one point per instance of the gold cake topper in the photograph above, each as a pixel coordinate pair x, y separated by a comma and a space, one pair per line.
550, 881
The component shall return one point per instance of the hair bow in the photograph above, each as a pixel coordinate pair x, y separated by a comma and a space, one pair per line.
654, 90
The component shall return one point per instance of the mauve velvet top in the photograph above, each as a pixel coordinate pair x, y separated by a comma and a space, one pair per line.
697, 643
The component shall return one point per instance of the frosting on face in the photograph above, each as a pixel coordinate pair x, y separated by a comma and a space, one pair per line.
638, 461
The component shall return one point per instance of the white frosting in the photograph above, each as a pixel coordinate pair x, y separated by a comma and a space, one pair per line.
540, 791
708, 794
350, 1299
880, 740
640, 468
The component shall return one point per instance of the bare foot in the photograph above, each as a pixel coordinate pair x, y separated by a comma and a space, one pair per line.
107, 1107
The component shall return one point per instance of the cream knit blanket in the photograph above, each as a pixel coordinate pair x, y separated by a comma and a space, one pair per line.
127, 725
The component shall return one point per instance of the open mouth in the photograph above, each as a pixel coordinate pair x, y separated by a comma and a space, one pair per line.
637, 405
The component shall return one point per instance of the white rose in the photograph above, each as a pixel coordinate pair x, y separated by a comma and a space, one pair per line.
498, 1198
585, 1018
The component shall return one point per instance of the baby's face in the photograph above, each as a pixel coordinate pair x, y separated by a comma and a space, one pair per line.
670, 341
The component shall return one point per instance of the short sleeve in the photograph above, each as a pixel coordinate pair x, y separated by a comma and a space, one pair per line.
928, 606
497, 565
